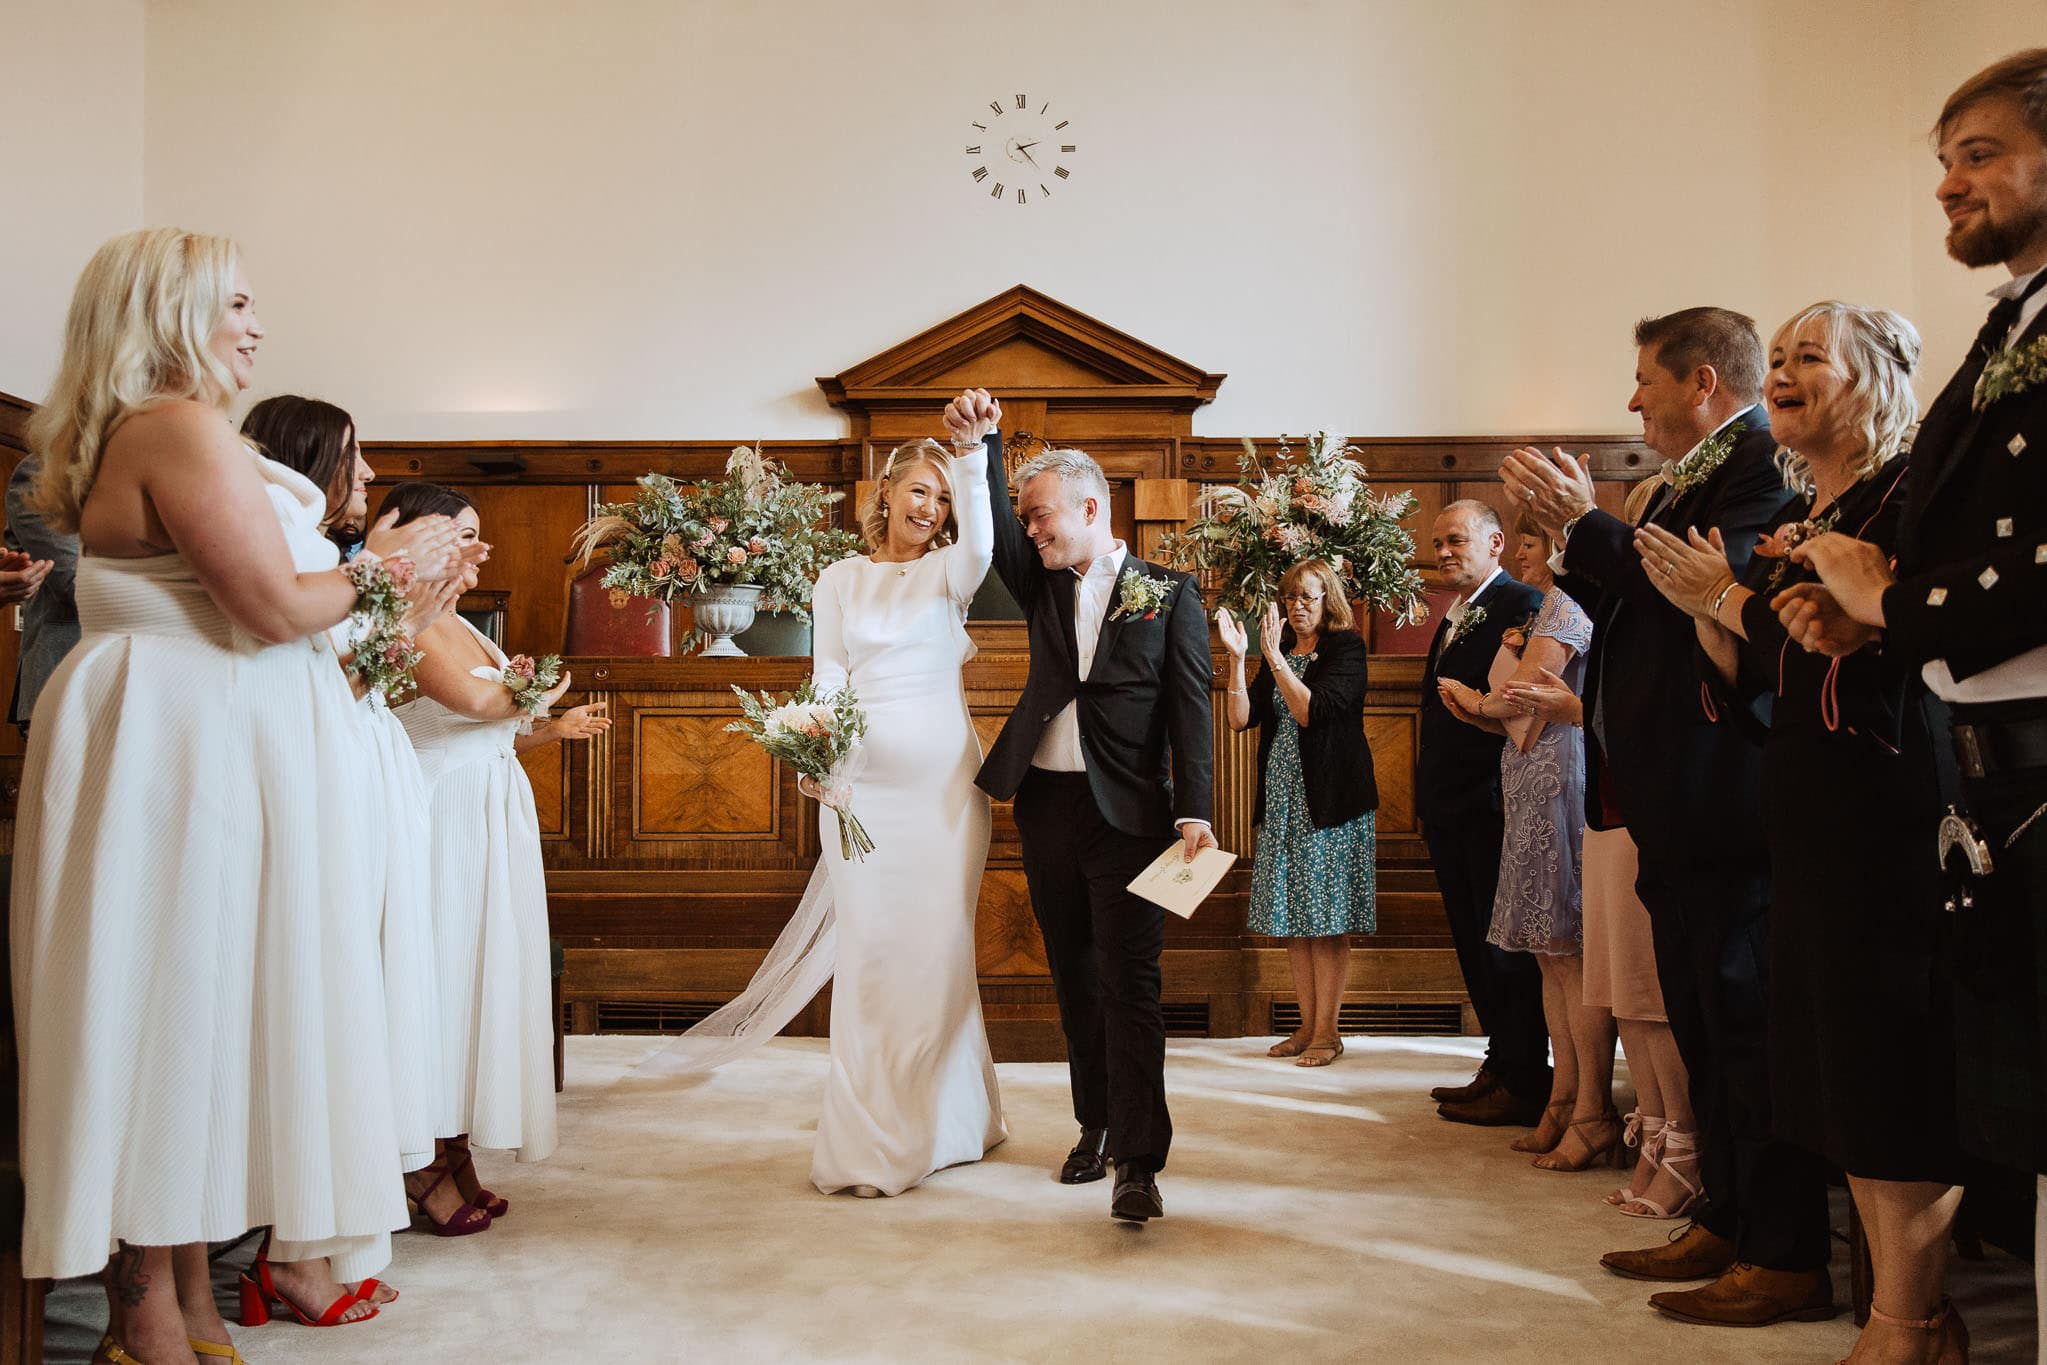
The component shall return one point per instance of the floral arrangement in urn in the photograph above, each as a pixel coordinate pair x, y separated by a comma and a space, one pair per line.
754, 538
1312, 506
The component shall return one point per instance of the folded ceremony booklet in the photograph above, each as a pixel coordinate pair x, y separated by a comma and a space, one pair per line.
1179, 885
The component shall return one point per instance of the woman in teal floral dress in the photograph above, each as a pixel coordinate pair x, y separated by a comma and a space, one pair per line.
1314, 880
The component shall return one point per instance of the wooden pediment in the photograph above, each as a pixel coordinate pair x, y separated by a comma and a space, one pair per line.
1031, 346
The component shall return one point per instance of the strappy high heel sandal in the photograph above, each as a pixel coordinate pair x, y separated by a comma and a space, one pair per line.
1644, 1132
1609, 1151
466, 1218
216, 1350
110, 1351
1674, 1146
483, 1199
1535, 1141
259, 1291
1945, 1325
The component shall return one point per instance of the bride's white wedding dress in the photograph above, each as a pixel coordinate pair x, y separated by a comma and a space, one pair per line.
911, 1088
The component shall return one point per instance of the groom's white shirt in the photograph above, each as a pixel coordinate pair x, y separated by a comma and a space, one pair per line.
1059, 746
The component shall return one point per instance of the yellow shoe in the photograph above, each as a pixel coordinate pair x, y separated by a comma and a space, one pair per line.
216, 1350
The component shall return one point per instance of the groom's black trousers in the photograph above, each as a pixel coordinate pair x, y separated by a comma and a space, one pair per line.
1103, 946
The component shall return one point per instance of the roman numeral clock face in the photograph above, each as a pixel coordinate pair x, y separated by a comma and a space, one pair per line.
1019, 151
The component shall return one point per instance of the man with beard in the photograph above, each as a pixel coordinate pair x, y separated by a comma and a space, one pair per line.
1968, 602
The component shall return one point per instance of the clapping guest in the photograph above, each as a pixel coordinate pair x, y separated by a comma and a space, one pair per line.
37, 570
1538, 907
1314, 880
488, 886
1620, 963
190, 1013
1690, 793
319, 441
1457, 795
1861, 1038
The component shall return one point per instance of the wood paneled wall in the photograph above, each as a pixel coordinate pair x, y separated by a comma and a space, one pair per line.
676, 851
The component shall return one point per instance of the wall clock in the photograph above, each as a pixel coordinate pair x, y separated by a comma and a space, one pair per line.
1018, 151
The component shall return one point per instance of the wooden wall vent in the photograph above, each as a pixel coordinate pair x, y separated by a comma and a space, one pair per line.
1405, 1018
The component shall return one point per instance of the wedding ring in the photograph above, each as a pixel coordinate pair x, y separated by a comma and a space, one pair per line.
1529, 492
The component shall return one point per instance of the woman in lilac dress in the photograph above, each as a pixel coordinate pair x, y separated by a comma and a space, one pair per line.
1540, 908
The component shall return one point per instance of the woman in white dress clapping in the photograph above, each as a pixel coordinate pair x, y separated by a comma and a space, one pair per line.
190, 1050
489, 886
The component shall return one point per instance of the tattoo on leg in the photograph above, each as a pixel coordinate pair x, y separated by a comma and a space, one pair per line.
125, 1280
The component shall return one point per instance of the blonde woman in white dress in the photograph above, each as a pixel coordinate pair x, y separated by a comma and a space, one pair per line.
489, 886
190, 1050
911, 1087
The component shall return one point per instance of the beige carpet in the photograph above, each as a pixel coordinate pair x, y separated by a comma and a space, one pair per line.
1313, 1215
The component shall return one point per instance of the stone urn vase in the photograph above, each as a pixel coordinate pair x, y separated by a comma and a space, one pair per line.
722, 612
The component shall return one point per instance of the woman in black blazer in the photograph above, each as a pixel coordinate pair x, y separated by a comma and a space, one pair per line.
1314, 880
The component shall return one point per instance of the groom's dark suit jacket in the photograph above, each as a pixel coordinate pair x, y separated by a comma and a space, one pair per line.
1688, 789
1145, 725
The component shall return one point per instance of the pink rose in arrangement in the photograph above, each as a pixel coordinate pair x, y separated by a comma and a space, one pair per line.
1312, 502
402, 571
756, 546
520, 667
396, 652
661, 568
1302, 488
702, 542
687, 571
735, 555
718, 525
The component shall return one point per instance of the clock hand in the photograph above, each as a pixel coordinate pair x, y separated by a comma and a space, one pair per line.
1025, 147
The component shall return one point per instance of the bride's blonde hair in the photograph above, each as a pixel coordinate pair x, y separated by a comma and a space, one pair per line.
140, 319
901, 463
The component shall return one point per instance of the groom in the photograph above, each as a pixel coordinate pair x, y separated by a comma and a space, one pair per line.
1108, 753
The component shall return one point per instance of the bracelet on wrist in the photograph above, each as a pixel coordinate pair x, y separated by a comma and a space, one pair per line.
1721, 600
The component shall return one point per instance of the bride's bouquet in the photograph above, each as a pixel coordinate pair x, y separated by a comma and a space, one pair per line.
818, 735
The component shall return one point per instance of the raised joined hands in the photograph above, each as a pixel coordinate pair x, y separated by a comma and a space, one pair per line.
971, 416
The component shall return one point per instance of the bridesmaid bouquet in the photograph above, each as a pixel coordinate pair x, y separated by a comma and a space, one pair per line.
817, 734
384, 655
528, 680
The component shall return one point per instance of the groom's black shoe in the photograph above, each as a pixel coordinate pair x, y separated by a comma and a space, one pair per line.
1137, 1196
1085, 1162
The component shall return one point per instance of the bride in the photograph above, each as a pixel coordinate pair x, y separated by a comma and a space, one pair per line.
911, 1088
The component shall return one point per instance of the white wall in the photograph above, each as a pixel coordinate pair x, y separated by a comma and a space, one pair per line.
71, 76
654, 218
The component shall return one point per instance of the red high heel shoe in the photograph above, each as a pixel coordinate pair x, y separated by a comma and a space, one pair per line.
483, 1199
466, 1218
259, 1292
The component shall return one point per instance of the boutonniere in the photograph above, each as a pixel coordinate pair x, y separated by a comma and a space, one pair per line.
1139, 594
1779, 544
1466, 624
2012, 371
1697, 467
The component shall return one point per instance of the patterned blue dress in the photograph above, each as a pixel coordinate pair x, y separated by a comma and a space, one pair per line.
1308, 882
1540, 906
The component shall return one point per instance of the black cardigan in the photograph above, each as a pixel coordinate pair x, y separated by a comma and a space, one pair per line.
1336, 763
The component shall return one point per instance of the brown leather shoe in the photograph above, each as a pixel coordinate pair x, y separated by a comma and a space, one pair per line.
1497, 1108
1483, 1083
1751, 1296
1692, 1253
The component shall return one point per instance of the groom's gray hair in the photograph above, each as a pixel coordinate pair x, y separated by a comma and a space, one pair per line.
1078, 473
